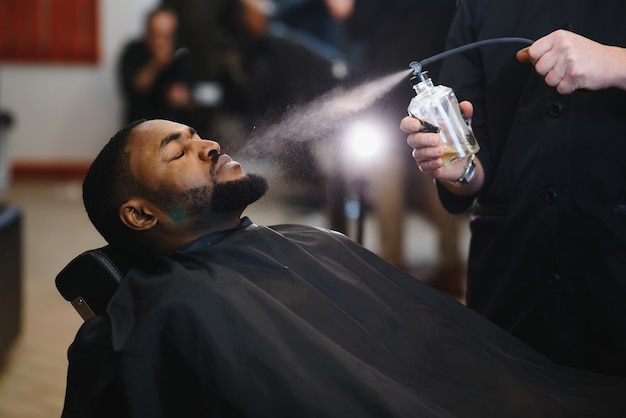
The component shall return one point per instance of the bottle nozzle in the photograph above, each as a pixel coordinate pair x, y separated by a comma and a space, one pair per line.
418, 75
416, 66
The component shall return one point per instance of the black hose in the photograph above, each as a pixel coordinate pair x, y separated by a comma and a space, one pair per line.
417, 66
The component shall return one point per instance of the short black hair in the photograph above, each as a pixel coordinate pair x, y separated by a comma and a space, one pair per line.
109, 183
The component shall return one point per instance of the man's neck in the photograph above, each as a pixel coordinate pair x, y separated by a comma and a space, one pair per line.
164, 241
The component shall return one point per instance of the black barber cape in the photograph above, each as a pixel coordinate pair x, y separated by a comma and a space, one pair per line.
297, 321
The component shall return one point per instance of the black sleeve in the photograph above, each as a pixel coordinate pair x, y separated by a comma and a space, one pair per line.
132, 59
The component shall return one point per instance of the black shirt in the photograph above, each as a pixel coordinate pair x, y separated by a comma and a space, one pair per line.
548, 252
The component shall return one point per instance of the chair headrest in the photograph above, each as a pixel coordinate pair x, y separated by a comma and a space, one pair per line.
91, 278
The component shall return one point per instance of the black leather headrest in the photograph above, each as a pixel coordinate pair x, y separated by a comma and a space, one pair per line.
90, 279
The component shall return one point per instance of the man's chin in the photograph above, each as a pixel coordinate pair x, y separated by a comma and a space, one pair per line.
237, 194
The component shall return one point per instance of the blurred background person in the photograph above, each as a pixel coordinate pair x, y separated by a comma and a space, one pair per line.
155, 75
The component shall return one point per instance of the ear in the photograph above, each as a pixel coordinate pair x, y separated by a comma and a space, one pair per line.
138, 214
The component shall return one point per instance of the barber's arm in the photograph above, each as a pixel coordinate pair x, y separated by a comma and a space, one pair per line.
147, 75
571, 62
460, 178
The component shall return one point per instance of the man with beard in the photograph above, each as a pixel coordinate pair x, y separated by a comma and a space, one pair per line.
173, 189
220, 317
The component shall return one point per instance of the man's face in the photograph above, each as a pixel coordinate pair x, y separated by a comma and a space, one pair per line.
189, 176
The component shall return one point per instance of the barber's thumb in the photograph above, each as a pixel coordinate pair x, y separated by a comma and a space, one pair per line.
467, 110
523, 55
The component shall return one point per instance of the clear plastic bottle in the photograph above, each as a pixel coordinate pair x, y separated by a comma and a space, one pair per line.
439, 108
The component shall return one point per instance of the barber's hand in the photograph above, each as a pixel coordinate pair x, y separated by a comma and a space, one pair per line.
570, 62
178, 95
427, 151
162, 56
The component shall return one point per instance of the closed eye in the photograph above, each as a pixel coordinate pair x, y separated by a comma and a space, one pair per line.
182, 153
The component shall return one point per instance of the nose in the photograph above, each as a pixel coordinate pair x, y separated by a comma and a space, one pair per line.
206, 149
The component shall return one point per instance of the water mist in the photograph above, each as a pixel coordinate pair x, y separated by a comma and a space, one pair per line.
321, 117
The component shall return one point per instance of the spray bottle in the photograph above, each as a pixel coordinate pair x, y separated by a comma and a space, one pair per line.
437, 108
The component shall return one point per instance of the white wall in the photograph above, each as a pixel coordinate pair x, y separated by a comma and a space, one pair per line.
67, 113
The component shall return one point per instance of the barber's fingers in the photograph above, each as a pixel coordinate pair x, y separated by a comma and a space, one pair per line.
564, 82
553, 67
429, 167
553, 42
423, 140
556, 69
569, 85
420, 134
427, 153
552, 55
569, 61
467, 110
562, 71
428, 159
411, 125
426, 149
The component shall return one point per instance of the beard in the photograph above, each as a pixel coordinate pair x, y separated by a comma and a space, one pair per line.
201, 202
236, 195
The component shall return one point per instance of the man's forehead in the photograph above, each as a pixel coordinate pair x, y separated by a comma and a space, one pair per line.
154, 125
152, 132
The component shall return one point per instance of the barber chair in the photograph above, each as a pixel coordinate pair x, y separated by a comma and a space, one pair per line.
91, 278
10, 275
